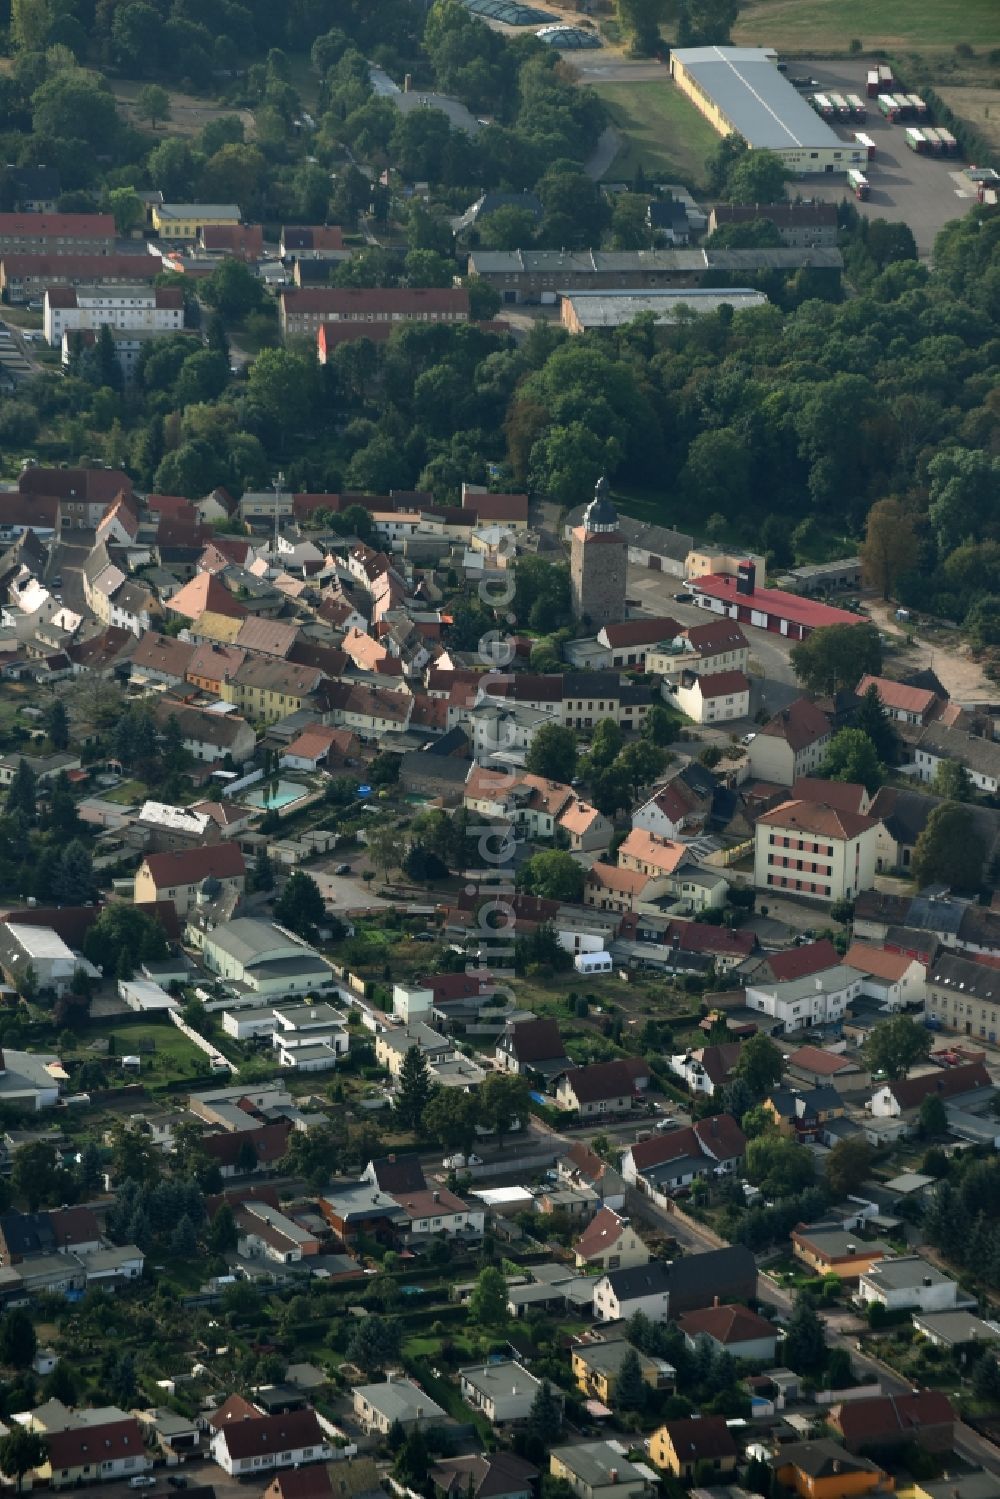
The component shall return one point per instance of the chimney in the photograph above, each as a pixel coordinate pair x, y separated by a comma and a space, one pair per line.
407, 82
746, 578
715, 1301
836, 1465
852, 1249
437, 1198
927, 1280
613, 1475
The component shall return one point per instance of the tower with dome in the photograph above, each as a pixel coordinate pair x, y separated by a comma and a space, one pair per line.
598, 563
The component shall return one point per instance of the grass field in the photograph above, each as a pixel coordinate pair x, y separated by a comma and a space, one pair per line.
166, 1053
663, 133
980, 107
814, 27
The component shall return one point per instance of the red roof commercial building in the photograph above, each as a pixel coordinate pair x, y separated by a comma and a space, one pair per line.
767, 608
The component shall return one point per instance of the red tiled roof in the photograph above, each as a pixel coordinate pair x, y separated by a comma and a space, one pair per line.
726, 1324
877, 962
775, 602
641, 632
601, 1080
190, 866
909, 1092
719, 1137
897, 696
815, 1059
352, 302
818, 818
800, 962
604, 1230
800, 724
868, 1422
311, 1482
497, 507
723, 684
717, 636
269, 1141
57, 225
266, 1435
83, 1446
202, 593
846, 796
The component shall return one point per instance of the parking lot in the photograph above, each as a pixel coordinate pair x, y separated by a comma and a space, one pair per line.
925, 192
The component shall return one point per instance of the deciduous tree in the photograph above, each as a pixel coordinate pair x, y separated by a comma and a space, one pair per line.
896, 1045
890, 545
949, 850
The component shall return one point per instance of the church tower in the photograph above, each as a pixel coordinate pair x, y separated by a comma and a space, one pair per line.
598, 563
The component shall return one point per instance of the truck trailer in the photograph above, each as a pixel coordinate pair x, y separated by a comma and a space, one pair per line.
859, 183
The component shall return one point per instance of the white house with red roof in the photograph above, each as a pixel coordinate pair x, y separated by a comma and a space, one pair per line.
913, 705
671, 811
87, 1445
245, 1442
661, 1163
711, 698
735, 1330
814, 849
895, 978
791, 744
630, 642
609, 1242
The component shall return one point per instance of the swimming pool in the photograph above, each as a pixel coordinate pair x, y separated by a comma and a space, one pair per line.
273, 796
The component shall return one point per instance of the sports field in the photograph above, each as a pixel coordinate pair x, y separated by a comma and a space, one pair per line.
662, 132
812, 27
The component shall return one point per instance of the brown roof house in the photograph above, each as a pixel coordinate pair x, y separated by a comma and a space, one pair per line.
904, 1097
791, 744
601, 1088
679, 1447
609, 1242
532, 1045
926, 1417
735, 1329
186, 874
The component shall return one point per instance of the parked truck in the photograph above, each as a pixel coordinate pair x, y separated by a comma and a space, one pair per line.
933, 139
915, 138
857, 106
858, 183
866, 143
888, 107
841, 108
823, 106
918, 106
885, 78
949, 145
873, 88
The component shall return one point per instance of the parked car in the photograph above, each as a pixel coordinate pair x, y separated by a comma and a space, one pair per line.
457, 1161
342, 869
176, 1481
142, 1481
682, 598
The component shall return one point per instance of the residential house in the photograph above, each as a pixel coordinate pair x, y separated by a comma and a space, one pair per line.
69, 309
266, 1233
391, 1046
731, 1329
396, 1401
909, 1283
661, 1163
598, 1470
306, 311
952, 1330
813, 1065
57, 233
268, 689
85, 1445
801, 1116
160, 658
532, 1044
829, 1249
172, 221
710, 697
672, 811
630, 641
503, 1392
896, 979
963, 995
438, 1211
580, 1167
814, 849
601, 1088
610, 1243
247, 1150
791, 744
180, 876
244, 1444
681, 1447
597, 1365
938, 745
820, 1469
619, 1294
820, 999
902, 1098
489, 1475
708, 1068
718, 646
912, 705
926, 1417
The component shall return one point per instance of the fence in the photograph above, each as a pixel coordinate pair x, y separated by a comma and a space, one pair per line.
214, 1055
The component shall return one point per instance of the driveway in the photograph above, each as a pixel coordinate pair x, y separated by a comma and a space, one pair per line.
342, 892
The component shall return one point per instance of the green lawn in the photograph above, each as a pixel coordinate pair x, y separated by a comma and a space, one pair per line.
814, 27
663, 132
126, 793
166, 1053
